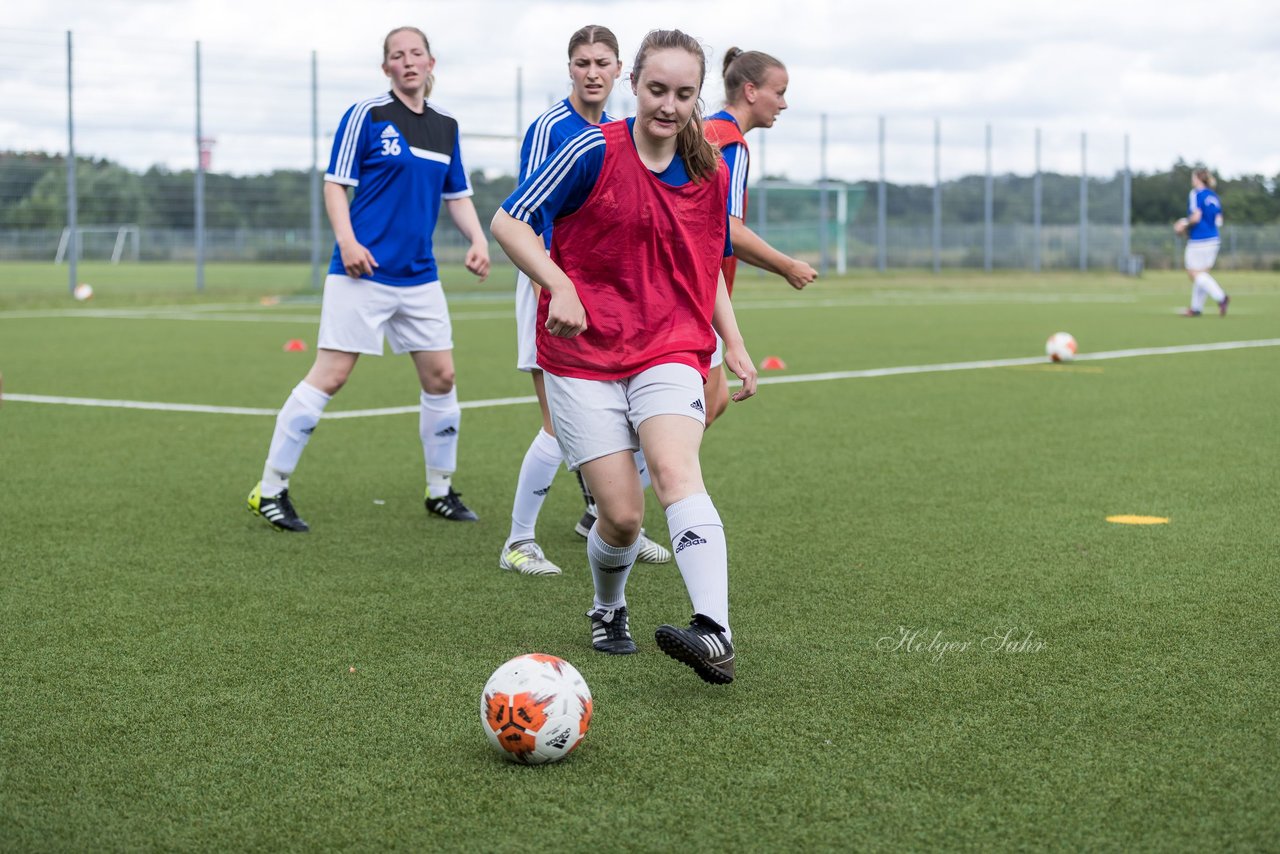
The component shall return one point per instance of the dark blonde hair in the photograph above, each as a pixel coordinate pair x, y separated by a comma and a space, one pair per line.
701, 158
386, 52
594, 34
1205, 176
743, 67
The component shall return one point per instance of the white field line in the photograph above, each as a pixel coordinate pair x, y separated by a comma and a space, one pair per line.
255, 314
798, 378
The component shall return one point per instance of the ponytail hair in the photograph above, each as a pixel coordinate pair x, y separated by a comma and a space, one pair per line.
701, 158
743, 67
1205, 176
386, 52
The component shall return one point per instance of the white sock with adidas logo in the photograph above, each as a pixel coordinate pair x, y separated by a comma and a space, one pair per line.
610, 566
438, 422
294, 424
697, 538
537, 471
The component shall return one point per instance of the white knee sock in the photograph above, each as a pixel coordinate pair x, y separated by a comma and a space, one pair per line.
438, 423
294, 425
697, 538
541, 462
610, 566
1206, 285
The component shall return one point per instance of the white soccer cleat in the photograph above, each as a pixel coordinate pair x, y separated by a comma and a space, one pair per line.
527, 558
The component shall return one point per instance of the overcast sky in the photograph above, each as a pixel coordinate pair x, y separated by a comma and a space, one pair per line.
1196, 80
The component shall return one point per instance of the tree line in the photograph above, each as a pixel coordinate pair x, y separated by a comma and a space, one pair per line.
33, 195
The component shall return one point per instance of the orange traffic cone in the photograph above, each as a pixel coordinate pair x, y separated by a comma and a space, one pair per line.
772, 363
295, 345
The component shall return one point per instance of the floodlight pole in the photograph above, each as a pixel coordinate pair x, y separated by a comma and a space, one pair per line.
1126, 203
882, 249
987, 209
1037, 197
199, 191
71, 179
823, 216
937, 195
315, 173
519, 119
1084, 202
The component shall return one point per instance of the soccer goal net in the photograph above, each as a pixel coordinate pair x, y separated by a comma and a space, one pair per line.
93, 240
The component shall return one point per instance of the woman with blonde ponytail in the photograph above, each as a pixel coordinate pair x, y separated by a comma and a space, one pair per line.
1200, 226
630, 295
401, 155
755, 88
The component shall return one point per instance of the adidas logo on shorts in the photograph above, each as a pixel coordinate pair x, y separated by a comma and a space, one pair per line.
689, 538
697, 404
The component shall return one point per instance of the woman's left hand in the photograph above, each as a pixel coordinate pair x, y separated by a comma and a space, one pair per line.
739, 361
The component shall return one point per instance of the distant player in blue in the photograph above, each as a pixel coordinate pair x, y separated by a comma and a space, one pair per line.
594, 67
1201, 227
401, 154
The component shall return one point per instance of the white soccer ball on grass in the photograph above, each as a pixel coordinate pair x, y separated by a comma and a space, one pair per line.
1061, 347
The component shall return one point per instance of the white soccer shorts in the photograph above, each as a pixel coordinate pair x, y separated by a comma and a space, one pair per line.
1201, 254
357, 314
595, 418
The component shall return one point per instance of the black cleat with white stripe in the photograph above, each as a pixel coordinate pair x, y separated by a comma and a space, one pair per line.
276, 509
610, 632
450, 507
703, 646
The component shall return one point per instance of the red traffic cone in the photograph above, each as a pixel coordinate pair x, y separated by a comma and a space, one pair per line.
772, 363
295, 345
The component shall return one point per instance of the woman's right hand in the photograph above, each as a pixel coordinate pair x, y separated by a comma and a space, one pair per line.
566, 318
357, 260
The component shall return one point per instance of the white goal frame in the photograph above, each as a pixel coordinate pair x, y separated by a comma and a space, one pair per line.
122, 232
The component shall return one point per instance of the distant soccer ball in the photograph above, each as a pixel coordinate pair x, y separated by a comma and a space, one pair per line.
1060, 347
535, 708
82, 292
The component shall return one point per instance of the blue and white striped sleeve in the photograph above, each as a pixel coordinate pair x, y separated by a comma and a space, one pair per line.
737, 159
561, 184
344, 160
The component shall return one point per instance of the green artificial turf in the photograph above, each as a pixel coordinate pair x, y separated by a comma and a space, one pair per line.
178, 676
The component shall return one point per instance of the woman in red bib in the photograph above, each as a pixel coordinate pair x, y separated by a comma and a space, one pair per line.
631, 292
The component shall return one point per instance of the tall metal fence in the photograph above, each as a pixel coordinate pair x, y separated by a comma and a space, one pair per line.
218, 157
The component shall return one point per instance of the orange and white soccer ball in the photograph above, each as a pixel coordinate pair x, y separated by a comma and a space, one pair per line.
83, 292
1060, 347
535, 708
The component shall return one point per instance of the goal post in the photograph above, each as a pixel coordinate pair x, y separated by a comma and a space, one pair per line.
125, 240
836, 226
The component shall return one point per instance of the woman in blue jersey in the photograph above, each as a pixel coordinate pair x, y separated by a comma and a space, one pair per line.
755, 89
631, 293
401, 153
1201, 226
594, 67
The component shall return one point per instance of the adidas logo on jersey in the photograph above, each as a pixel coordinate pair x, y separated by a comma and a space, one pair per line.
390, 132
697, 404
448, 431
689, 538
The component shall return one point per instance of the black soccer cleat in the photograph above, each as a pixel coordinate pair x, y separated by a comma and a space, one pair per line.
583, 528
610, 632
703, 646
278, 510
450, 507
